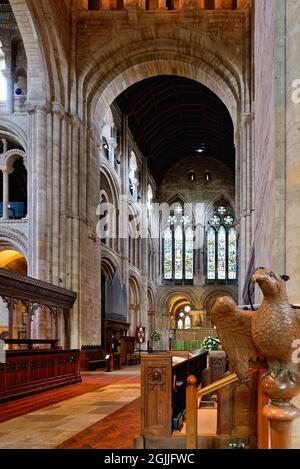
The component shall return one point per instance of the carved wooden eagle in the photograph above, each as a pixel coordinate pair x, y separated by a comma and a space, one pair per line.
267, 332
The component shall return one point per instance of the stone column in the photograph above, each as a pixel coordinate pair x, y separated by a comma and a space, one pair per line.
9, 78
123, 222
6, 172
246, 199
38, 180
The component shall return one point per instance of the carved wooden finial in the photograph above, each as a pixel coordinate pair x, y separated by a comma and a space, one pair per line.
191, 379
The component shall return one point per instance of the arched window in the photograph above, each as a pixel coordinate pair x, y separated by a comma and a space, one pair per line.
221, 246
133, 181
178, 246
168, 254
187, 322
184, 319
149, 201
180, 324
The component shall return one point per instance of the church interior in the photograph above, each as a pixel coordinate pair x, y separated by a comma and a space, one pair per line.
149, 166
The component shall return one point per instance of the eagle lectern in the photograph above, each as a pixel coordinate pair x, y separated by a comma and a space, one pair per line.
270, 333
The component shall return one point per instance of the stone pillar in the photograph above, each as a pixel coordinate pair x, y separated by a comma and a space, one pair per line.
123, 222
9, 77
38, 179
9, 93
112, 145
6, 174
246, 198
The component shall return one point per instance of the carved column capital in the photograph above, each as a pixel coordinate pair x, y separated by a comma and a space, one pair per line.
58, 109
34, 106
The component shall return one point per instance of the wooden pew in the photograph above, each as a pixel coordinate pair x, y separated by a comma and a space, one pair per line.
92, 357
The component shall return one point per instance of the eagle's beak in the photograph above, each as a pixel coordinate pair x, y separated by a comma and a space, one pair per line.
258, 276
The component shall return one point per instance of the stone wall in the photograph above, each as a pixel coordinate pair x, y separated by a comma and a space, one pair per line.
264, 133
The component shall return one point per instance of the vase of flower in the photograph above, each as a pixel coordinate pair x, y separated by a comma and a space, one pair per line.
155, 337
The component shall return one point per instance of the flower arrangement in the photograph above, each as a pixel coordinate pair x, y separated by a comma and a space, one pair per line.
155, 336
210, 343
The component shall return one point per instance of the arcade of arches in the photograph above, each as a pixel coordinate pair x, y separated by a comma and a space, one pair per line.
145, 161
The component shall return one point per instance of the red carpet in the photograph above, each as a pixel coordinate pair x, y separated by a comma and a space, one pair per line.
17, 407
116, 431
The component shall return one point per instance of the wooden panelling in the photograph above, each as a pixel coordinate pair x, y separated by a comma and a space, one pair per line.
27, 372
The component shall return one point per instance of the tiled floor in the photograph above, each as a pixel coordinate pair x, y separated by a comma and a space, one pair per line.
52, 425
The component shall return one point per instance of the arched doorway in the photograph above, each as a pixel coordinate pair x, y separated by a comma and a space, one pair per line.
14, 321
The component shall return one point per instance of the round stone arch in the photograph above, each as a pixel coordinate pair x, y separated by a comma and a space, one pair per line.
13, 240
113, 85
12, 155
210, 296
167, 296
173, 299
38, 86
126, 61
12, 131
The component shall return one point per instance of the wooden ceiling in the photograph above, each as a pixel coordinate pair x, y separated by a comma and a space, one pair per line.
170, 117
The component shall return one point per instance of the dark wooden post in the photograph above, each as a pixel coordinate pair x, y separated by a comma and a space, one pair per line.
280, 411
191, 412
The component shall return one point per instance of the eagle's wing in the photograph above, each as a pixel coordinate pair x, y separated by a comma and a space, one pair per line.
234, 331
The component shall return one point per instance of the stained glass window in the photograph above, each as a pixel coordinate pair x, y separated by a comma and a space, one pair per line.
178, 245
187, 322
221, 246
168, 254
232, 254
180, 324
215, 220
228, 220
189, 246
221, 253
178, 253
211, 254
222, 210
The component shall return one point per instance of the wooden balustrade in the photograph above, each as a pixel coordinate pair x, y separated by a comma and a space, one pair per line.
236, 410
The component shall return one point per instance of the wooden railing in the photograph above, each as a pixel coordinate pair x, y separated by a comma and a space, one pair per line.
193, 393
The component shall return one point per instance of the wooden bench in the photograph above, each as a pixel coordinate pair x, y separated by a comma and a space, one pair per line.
92, 357
133, 358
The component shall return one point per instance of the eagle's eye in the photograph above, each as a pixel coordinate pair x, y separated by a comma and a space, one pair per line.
272, 274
